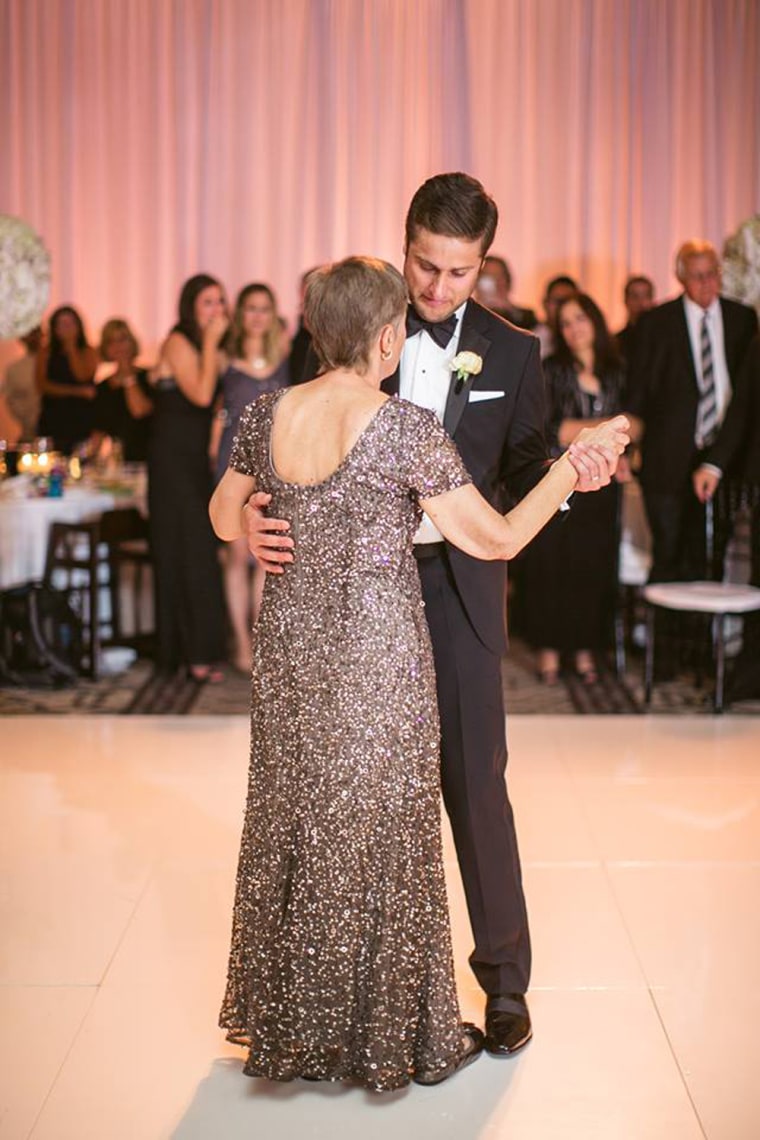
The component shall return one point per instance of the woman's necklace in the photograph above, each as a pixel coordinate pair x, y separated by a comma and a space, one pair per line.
258, 362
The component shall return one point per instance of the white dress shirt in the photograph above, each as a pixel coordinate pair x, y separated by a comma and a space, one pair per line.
694, 315
425, 379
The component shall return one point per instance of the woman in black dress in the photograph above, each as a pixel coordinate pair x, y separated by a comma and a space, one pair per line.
66, 381
189, 607
570, 568
123, 401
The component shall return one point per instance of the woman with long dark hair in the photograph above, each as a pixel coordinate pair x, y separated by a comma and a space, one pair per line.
66, 381
569, 570
189, 607
257, 349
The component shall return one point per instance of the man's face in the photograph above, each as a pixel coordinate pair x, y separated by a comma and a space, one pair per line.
638, 299
701, 279
440, 272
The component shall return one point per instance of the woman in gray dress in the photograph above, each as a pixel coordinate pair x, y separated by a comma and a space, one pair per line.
257, 352
341, 963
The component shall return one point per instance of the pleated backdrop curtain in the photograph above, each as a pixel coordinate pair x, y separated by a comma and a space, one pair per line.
150, 139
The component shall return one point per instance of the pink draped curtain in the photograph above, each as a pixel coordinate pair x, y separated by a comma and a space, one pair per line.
150, 139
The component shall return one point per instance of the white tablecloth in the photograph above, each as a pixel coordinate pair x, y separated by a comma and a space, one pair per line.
25, 525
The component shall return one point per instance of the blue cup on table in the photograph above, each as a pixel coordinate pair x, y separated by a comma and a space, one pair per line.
55, 485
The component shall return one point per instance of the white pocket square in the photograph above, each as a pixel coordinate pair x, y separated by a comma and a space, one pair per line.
476, 395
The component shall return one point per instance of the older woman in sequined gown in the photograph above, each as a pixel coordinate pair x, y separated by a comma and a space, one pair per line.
341, 963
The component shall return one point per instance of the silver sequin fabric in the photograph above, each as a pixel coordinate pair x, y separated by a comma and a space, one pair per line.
341, 964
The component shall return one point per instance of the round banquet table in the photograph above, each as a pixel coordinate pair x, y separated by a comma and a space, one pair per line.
25, 525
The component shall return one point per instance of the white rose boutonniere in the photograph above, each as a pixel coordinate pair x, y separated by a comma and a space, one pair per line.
466, 364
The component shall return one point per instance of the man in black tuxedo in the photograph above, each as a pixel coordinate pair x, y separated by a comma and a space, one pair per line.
496, 417
686, 356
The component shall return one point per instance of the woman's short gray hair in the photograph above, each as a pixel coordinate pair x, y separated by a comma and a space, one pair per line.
347, 304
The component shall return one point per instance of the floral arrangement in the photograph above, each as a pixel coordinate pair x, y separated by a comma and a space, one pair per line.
741, 263
24, 277
466, 364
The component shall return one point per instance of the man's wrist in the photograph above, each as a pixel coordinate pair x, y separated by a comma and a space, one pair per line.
712, 469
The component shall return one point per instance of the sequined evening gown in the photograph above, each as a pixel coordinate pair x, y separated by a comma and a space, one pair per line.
341, 963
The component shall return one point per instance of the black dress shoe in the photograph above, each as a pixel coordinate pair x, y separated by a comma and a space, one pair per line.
470, 1052
508, 1025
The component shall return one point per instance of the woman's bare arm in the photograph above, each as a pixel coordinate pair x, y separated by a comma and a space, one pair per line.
196, 373
83, 362
226, 507
465, 518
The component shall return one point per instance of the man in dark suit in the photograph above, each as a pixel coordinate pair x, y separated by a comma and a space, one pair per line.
736, 455
495, 413
686, 356
638, 297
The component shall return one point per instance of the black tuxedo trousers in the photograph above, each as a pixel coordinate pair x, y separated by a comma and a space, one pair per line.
473, 766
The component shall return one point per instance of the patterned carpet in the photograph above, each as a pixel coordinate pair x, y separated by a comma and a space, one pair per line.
138, 690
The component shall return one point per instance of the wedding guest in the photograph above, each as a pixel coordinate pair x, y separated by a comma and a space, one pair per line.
341, 964
65, 371
569, 570
688, 353
494, 290
257, 350
123, 401
19, 387
299, 349
638, 297
189, 605
557, 290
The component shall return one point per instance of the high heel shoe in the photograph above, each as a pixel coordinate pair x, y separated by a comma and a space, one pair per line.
470, 1053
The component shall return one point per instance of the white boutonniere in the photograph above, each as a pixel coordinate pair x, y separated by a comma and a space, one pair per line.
466, 364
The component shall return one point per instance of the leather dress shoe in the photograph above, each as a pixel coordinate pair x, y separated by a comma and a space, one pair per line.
471, 1051
508, 1026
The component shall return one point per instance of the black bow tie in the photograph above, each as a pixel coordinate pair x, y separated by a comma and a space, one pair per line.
440, 331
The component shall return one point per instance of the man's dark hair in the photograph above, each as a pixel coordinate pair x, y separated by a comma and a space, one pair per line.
454, 205
637, 279
562, 279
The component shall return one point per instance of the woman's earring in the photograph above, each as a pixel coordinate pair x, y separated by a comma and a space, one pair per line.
386, 355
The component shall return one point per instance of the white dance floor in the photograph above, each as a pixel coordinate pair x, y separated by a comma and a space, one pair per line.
641, 844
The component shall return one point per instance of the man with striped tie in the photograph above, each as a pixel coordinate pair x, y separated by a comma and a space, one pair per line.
685, 359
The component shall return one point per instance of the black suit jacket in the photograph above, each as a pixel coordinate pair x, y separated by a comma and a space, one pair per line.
663, 388
502, 443
737, 449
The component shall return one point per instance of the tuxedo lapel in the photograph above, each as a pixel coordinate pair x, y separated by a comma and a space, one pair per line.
684, 341
471, 339
392, 384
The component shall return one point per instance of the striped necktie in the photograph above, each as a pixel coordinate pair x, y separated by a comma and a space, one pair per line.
707, 409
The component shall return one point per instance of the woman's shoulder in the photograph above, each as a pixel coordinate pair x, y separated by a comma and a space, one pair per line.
259, 410
413, 424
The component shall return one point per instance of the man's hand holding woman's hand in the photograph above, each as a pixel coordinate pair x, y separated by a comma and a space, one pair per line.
595, 452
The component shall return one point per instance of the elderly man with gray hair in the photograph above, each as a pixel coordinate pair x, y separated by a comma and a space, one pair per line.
686, 356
